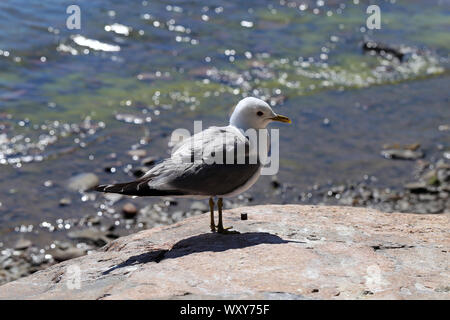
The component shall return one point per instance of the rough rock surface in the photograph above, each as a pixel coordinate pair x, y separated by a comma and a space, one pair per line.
283, 252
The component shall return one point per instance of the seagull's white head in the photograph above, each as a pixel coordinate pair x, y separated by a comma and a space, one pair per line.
253, 113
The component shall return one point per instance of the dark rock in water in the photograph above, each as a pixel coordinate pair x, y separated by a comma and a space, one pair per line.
83, 182
110, 169
22, 244
326, 122
140, 171
92, 235
429, 207
428, 197
92, 220
444, 195
430, 178
70, 253
416, 187
412, 146
148, 161
402, 154
275, 183
65, 202
138, 153
382, 50
337, 189
37, 259
129, 210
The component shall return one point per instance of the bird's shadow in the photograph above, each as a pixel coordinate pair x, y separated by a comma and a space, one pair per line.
212, 242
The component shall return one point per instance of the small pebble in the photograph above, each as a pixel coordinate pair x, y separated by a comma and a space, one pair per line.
139, 153
148, 161
140, 171
129, 210
65, 202
22, 244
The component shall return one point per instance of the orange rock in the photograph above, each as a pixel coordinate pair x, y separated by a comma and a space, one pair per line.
283, 251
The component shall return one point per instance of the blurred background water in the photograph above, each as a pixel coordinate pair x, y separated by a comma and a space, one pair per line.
74, 101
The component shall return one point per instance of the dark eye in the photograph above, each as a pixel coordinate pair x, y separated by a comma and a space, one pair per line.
259, 113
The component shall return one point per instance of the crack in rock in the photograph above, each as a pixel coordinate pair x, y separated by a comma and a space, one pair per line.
390, 246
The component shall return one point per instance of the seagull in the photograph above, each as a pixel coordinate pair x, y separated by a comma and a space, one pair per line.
196, 168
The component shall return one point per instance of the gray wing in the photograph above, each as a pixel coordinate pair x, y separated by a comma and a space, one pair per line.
195, 167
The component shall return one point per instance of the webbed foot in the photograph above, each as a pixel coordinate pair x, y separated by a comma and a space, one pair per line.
226, 230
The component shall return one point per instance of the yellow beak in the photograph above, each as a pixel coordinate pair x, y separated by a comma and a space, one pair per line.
281, 119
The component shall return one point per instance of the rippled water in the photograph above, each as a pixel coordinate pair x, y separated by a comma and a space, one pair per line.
139, 69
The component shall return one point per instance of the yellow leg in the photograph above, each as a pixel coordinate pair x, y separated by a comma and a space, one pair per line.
211, 209
220, 228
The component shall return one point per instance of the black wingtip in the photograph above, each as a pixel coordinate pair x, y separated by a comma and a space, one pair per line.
135, 188
99, 188
128, 188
